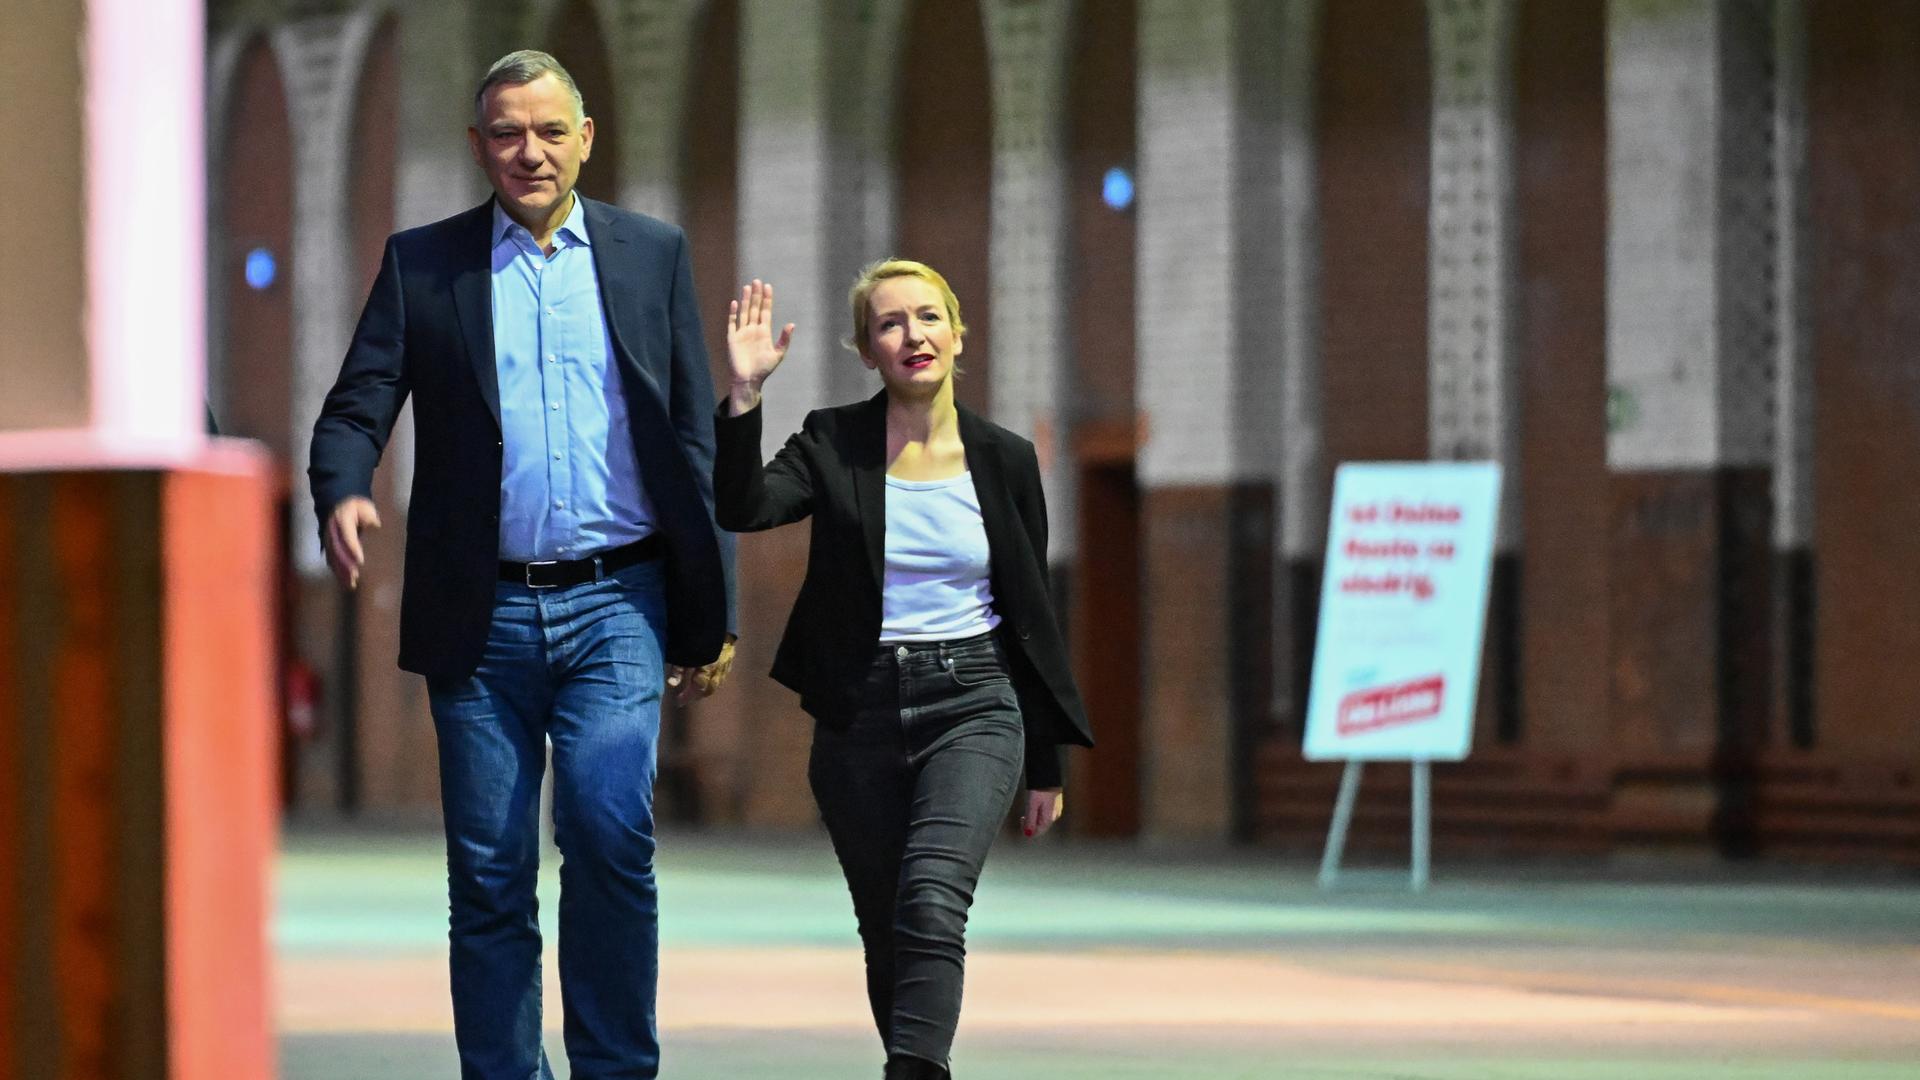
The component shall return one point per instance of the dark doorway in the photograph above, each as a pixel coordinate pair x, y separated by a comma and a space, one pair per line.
1104, 613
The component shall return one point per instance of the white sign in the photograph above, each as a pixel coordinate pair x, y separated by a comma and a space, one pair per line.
1403, 610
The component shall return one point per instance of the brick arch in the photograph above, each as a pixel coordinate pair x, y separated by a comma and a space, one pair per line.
579, 37
375, 131
864, 56
323, 59
495, 27
943, 154
709, 179
253, 162
224, 50
649, 47
225, 47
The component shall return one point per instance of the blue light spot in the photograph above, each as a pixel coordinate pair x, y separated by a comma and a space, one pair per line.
261, 269
1117, 188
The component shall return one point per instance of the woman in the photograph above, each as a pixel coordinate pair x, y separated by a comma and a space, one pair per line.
922, 642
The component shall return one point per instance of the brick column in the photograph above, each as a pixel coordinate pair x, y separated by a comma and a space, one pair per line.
1689, 272
1793, 463
650, 44
1208, 392
1027, 48
1297, 449
1302, 495
1564, 751
1355, 174
1846, 788
1472, 383
798, 182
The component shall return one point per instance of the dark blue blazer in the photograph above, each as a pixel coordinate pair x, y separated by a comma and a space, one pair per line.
427, 331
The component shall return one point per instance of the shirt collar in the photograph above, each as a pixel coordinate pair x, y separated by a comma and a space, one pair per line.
574, 228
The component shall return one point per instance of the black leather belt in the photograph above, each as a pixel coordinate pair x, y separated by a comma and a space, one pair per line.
559, 573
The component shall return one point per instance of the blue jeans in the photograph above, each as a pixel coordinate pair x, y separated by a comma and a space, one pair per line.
912, 789
581, 666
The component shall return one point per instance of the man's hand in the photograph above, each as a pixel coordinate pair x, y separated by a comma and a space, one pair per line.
705, 679
1044, 807
344, 553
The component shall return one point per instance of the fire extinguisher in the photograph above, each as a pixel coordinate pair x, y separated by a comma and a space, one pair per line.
303, 701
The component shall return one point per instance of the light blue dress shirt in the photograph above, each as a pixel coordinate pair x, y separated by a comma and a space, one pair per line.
570, 483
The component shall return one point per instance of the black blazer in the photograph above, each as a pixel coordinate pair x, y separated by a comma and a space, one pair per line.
835, 469
427, 330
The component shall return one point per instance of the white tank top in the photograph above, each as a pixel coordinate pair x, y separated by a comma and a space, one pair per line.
936, 586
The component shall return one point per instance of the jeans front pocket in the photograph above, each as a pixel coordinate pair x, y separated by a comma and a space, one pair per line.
971, 671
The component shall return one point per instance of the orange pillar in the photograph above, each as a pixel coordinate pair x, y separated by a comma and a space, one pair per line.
136, 697
136, 711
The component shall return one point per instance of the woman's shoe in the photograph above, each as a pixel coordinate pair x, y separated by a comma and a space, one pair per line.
908, 1067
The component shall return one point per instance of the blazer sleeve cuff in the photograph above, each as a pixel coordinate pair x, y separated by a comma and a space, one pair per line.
328, 496
1046, 764
747, 423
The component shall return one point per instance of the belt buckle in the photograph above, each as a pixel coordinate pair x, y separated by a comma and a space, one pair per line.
527, 574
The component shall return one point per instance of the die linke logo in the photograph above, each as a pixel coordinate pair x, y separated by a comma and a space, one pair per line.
1391, 706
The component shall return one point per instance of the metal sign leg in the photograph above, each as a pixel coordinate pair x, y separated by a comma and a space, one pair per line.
1422, 824
1337, 831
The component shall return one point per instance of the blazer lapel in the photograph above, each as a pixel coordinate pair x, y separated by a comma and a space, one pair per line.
473, 302
612, 257
868, 458
989, 481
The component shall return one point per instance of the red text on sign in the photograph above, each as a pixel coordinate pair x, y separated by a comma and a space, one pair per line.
1390, 706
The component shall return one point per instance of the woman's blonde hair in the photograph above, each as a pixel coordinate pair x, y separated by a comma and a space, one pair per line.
874, 273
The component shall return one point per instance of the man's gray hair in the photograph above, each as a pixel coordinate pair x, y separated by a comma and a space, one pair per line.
518, 68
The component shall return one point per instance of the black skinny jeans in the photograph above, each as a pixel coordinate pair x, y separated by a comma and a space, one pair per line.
912, 792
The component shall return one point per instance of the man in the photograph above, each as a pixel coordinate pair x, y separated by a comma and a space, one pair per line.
560, 551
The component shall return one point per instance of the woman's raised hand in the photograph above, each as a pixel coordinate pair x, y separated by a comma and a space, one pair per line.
752, 351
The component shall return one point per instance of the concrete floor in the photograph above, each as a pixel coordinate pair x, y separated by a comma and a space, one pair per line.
1111, 963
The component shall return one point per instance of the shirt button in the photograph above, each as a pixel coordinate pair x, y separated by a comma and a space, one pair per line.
551, 360
556, 405
549, 311
559, 505
537, 267
900, 653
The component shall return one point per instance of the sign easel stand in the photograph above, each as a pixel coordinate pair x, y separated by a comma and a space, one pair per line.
1422, 824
